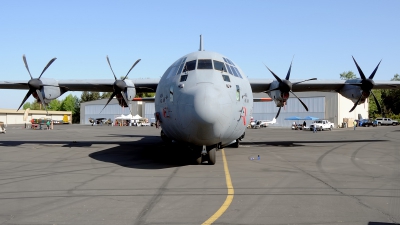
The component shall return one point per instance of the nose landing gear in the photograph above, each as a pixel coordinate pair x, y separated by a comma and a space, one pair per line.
207, 154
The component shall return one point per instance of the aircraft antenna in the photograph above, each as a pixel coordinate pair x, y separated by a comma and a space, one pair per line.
201, 43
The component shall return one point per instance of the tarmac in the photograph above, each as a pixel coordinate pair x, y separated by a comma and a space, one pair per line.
78, 174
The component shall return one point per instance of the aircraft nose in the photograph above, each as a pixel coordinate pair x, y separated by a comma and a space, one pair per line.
207, 116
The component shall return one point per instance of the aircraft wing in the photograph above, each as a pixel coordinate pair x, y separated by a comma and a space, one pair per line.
100, 85
261, 85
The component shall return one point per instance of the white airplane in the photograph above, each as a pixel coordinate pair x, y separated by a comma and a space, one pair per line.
203, 99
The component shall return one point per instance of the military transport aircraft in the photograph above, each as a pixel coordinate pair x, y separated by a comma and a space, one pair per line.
203, 99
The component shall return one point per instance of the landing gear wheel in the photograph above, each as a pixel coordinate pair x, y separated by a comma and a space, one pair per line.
236, 145
212, 156
199, 159
164, 137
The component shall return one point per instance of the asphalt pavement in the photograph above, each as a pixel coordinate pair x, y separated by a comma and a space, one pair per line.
78, 174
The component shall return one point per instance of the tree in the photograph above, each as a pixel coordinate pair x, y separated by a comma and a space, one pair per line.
54, 105
389, 101
26, 105
347, 75
88, 96
106, 95
145, 94
68, 104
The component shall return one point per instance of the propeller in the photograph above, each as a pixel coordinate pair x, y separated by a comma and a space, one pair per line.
35, 84
366, 86
120, 86
285, 86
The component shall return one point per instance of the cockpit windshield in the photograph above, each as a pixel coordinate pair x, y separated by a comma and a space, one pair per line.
190, 65
204, 64
219, 66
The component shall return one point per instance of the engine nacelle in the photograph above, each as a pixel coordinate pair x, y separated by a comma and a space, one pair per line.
353, 93
50, 91
278, 97
130, 93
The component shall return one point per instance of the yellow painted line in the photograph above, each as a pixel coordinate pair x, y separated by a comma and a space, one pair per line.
228, 199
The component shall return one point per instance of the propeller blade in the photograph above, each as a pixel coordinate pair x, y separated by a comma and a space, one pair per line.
111, 68
377, 103
42, 100
272, 90
279, 111
355, 104
137, 61
373, 73
276, 77
26, 97
299, 100
126, 101
47, 66
26, 65
290, 69
111, 97
304, 81
359, 70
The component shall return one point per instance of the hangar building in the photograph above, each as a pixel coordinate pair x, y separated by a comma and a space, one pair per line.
92, 109
324, 105
12, 116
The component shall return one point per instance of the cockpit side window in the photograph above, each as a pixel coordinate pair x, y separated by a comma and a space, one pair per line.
183, 78
191, 65
226, 78
233, 71
181, 66
237, 71
219, 66
229, 69
204, 64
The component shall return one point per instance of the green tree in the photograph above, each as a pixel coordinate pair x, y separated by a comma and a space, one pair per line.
27, 105
145, 94
88, 96
54, 105
68, 104
347, 75
106, 95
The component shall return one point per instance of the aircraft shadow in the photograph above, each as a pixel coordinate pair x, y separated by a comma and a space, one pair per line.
301, 143
151, 156
380, 223
150, 152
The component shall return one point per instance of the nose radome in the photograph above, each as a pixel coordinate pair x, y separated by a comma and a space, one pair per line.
206, 107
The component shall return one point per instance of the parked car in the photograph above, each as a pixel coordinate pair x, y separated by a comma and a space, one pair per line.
365, 123
386, 121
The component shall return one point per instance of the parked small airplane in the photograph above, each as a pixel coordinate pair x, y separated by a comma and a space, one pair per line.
99, 121
203, 99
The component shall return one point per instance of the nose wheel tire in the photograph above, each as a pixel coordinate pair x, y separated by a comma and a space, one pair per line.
237, 144
212, 156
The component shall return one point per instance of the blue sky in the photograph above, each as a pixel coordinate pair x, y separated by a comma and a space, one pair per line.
323, 35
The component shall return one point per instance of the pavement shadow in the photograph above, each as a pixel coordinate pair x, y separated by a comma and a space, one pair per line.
157, 155
380, 223
150, 152
301, 143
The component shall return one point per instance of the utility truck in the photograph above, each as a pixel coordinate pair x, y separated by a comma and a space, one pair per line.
322, 125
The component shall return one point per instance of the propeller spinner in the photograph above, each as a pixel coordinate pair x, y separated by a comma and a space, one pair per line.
366, 86
120, 86
35, 84
285, 87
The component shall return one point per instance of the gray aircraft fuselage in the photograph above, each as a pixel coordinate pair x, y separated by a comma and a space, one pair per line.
204, 99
